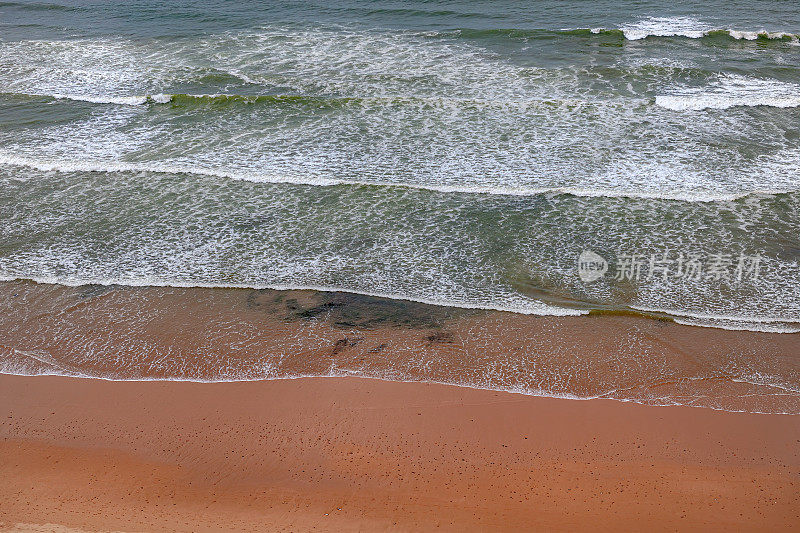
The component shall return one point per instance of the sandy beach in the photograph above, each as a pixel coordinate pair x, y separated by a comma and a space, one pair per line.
246, 444
312, 265
259, 410
353, 454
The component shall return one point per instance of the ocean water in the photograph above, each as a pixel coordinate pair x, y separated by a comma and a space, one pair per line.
463, 153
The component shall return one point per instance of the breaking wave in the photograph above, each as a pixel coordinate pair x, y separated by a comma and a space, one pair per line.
732, 91
118, 100
274, 178
687, 27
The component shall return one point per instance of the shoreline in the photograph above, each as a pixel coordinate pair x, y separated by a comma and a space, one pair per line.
564, 397
558, 310
222, 335
356, 453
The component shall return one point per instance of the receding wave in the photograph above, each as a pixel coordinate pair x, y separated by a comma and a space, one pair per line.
652, 363
263, 177
731, 323
541, 308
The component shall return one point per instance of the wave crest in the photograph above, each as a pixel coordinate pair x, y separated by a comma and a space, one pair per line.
732, 91
44, 165
689, 28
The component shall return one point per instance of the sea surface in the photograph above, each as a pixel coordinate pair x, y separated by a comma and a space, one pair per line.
462, 153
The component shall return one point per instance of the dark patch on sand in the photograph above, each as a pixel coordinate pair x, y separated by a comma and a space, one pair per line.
379, 348
343, 344
353, 311
94, 290
440, 337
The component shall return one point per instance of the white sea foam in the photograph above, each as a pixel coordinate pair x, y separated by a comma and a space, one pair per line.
118, 100
732, 90
314, 61
691, 28
61, 165
665, 27
753, 35
730, 322
738, 325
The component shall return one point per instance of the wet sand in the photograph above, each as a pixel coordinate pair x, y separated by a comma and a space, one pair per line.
235, 334
343, 454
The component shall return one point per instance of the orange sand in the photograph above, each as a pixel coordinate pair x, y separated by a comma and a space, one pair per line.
357, 454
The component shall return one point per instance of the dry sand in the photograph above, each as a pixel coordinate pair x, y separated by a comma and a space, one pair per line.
344, 454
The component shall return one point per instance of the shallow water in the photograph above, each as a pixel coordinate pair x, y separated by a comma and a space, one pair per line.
212, 335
